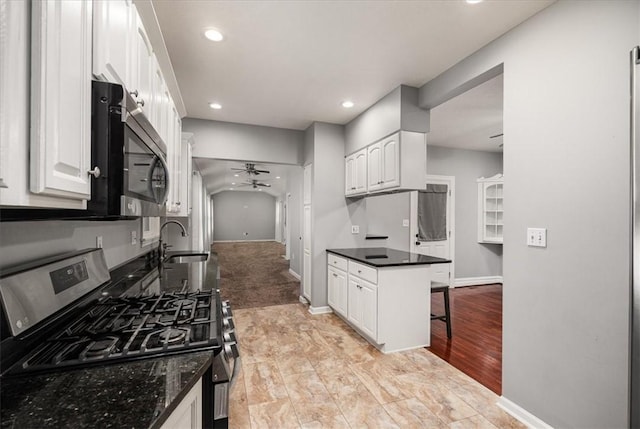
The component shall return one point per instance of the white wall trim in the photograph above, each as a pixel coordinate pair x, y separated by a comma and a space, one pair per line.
294, 274
303, 300
476, 281
522, 415
242, 241
320, 310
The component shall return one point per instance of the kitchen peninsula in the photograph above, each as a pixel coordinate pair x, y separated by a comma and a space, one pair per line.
384, 294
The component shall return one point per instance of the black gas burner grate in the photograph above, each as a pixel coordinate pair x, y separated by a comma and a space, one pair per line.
117, 328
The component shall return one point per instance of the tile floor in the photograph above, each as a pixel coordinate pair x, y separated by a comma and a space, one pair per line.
305, 371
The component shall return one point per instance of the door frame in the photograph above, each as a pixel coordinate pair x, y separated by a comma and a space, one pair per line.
450, 181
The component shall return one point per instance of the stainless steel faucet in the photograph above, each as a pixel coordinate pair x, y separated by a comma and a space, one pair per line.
162, 248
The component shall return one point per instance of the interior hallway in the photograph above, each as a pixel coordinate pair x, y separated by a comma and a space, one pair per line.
304, 371
255, 274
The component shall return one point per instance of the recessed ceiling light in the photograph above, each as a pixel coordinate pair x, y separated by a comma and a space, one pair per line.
259, 190
347, 104
277, 177
233, 183
231, 189
215, 106
236, 175
474, 1
213, 35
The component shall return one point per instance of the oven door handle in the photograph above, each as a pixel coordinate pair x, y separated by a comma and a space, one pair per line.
232, 351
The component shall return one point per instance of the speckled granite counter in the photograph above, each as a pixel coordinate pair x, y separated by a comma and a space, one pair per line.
139, 394
381, 257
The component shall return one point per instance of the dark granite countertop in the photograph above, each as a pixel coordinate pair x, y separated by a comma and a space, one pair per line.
139, 394
381, 257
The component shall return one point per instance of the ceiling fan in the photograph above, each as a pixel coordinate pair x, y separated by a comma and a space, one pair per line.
250, 169
255, 184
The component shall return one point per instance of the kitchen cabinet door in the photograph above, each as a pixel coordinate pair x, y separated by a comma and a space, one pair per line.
337, 290
188, 413
61, 99
374, 167
390, 163
114, 28
356, 173
142, 63
369, 307
354, 302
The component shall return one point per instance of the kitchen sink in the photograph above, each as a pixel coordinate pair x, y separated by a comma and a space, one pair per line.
185, 258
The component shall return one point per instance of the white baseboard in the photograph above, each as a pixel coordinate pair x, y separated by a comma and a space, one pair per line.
241, 241
303, 300
294, 274
475, 281
521, 414
320, 310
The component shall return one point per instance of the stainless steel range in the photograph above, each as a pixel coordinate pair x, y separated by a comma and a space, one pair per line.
65, 312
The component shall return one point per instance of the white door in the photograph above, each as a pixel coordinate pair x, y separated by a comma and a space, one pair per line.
443, 248
287, 230
306, 252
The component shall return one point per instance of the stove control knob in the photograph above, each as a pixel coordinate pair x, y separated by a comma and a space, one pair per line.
231, 349
226, 312
229, 337
227, 323
225, 303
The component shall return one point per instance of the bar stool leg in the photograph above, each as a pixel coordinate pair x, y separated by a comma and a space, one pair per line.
447, 312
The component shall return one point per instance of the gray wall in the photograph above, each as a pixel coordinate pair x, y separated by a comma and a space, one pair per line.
226, 140
566, 162
240, 215
472, 259
397, 110
331, 213
26, 241
384, 214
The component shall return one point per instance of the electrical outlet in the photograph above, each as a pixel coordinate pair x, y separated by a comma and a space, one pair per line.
134, 238
99, 242
537, 237
355, 229
405, 222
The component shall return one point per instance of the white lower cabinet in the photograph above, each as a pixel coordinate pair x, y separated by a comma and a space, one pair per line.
363, 306
337, 290
389, 306
188, 413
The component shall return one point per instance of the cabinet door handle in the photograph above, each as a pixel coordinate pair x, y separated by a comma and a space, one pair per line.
140, 102
95, 172
359, 271
335, 275
134, 93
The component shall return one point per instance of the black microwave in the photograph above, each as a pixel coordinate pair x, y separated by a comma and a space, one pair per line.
131, 157
130, 175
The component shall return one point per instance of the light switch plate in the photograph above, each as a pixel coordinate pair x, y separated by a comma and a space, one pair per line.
99, 241
134, 238
537, 237
405, 222
355, 229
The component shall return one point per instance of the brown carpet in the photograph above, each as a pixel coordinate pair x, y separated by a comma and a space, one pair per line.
255, 274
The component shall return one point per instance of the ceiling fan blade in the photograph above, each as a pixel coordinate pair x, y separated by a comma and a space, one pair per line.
497, 135
262, 171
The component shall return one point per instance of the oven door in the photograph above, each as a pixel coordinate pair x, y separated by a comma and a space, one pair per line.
145, 177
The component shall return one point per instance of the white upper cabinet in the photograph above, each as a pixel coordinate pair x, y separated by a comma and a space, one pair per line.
397, 162
114, 33
61, 48
490, 209
142, 70
356, 173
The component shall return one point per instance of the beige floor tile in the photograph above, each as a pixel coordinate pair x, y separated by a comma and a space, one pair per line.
278, 414
440, 401
474, 422
309, 397
328, 422
293, 364
256, 348
335, 374
361, 409
384, 386
411, 413
263, 383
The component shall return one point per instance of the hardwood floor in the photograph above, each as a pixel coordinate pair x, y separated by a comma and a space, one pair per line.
476, 345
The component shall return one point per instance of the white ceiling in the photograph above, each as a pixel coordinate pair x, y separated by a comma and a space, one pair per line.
289, 63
